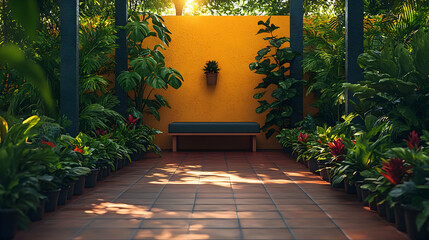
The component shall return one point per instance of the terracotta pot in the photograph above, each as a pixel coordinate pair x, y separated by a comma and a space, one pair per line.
410, 223
211, 78
8, 218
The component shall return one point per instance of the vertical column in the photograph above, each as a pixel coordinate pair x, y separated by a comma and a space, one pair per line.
121, 54
296, 43
69, 72
354, 46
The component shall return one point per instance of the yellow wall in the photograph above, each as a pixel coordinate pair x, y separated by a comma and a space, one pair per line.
232, 41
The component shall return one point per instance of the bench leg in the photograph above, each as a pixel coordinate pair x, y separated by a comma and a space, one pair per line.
253, 143
174, 143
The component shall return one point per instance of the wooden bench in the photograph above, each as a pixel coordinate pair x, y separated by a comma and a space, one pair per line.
177, 129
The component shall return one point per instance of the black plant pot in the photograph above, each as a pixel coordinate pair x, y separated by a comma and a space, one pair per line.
100, 174
365, 193
312, 165
71, 190
52, 200
358, 190
62, 199
349, 188
79, 186
106, 171
8, 218
410, 223
126, 162
287, 150
37, 214
115, 164
91, 178
381, 208
324, 173
120, 163
390, 213
336, 185
399, 217
373, 205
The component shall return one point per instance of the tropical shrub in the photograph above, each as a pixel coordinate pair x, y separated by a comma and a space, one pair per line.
273, 62
148, 70
395, 85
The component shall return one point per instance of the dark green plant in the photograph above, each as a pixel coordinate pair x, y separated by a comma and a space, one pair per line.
273, 62
396, 85
211, 67
22, 167
148, 71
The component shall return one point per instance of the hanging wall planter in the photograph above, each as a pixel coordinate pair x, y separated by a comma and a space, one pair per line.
211, 70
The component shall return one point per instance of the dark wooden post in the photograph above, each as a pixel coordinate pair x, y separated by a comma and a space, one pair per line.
121, 54
296, 43
69, 72
354, 47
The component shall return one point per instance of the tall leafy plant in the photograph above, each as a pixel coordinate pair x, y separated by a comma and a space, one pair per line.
396, 84
273, 63
148, 70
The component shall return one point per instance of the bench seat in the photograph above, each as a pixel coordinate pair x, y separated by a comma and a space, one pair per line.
176, 129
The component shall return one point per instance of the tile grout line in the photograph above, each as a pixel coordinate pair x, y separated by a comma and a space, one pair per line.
196, 192
308, 195
157, 196
233, 197
271, 198
94, 218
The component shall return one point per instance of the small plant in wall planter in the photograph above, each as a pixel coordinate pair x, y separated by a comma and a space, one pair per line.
211, 69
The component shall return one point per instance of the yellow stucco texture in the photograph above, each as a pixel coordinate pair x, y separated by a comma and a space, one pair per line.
232, 41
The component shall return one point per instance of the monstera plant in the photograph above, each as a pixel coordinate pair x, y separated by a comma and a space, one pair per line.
148, 71
273, 62
396, 84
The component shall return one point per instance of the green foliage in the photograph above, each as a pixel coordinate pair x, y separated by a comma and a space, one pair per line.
395, 84
147, 66
211, 67
22, 168
324, 61
273, 62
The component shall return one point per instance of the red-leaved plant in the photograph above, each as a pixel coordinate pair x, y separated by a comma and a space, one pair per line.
394, 169
131, 121
78, 150
413, 140
101, 132
338, 150
303, 137
49, 143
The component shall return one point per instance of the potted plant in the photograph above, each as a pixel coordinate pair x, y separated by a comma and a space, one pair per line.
211, 69
21, 166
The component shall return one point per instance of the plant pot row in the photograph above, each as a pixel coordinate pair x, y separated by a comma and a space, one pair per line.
57, 197
403, 216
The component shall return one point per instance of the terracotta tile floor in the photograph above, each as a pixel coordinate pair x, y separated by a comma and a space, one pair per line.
213, 195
